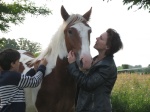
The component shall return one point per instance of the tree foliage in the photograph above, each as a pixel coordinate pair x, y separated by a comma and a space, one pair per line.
20, 44
32, 47
125, 66
145, 4
15, 12
8, 43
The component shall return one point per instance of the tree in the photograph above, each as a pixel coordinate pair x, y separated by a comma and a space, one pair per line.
32, 47
119, 68
20, 44
125, 66
15, 12
8, 43
145, 4
138, 66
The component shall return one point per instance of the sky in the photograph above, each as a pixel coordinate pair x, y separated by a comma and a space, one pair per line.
132, 25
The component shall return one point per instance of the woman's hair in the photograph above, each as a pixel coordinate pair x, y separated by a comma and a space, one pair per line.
113, 41
7, 57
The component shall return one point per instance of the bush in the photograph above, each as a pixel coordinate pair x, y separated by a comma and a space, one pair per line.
131, 93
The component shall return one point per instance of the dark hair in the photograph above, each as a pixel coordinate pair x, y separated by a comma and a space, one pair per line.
8, 56
114, 42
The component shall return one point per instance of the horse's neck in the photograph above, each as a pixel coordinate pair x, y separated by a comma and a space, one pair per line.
56, 49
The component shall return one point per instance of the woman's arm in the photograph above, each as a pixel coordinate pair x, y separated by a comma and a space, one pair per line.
90, 81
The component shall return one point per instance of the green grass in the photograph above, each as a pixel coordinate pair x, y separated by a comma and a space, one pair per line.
131, 93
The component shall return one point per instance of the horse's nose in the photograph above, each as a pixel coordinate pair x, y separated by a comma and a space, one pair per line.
85, 62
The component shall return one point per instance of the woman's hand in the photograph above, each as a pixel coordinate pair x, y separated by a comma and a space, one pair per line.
71, 57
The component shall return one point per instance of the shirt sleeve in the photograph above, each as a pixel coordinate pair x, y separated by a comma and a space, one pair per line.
31, 72
32, 81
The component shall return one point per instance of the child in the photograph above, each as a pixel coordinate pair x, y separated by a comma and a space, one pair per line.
12, 81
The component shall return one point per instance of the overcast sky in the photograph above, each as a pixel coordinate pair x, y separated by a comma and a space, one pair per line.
132, 25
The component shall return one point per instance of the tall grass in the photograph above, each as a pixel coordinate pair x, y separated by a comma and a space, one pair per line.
131, 93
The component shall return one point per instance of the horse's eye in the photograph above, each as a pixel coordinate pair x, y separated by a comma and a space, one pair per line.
69, 31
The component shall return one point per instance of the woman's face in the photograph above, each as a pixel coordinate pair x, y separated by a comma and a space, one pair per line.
101, 42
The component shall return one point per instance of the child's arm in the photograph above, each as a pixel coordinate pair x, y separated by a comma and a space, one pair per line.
32, 71
34, 81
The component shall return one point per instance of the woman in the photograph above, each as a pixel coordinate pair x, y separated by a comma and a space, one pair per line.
96, 86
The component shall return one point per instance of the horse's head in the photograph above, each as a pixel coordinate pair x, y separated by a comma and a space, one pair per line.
77, 36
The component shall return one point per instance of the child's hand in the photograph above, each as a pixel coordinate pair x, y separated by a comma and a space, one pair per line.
43, 62
36, 64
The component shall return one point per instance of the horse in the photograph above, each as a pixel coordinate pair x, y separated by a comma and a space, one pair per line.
57, 91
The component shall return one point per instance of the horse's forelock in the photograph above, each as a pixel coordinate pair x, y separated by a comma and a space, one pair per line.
75, 18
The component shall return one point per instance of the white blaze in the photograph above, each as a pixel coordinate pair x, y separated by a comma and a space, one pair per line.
85, 54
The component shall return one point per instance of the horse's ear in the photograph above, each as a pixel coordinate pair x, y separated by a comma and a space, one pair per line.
87, 14
64, 13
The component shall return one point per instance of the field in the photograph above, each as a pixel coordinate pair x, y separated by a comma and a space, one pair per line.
131, 93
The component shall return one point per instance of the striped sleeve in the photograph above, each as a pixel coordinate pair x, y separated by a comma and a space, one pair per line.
28, 81
32, 81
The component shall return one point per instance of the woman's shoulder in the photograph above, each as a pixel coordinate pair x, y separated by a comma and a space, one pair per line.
108, 60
